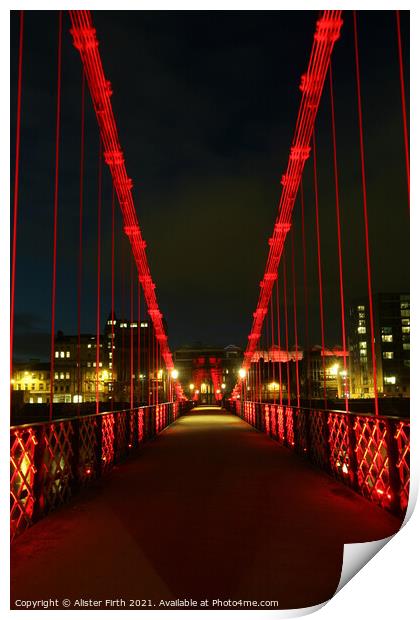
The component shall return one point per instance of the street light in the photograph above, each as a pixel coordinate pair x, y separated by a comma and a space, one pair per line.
174, 374
223, 386
192, 386
242, 373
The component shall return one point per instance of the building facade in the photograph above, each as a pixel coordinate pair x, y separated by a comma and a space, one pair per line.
127, 359
391, 344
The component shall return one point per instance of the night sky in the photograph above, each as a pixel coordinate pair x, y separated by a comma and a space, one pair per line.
206, 104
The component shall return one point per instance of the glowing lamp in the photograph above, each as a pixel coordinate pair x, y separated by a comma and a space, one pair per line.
174, 374
242, 373
223, 386
333, 369
197, 391
192, 386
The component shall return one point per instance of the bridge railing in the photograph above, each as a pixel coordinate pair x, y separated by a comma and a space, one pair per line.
370, 454
51, 461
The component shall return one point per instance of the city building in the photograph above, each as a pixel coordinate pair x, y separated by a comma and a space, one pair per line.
123, 347
391, 312
30, 382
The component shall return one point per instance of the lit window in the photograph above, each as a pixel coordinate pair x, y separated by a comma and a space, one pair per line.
406, 346
405, 312
56, 354
110, 355
386, 330
110, 365
61, 353
89, 364
361, 330
67, 353
61, 375
94, 364
363, 345
56, 375
390, 380
67, 375
386, 338
405, 306
405, 321
100, 364
363, 353
405, 330
31, 400
39, 399
360, 308
133, 324
89, 346
388, 355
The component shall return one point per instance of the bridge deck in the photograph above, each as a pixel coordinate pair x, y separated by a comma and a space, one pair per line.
212, 509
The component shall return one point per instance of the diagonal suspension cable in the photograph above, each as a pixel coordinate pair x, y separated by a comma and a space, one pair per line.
86, 42
327, 32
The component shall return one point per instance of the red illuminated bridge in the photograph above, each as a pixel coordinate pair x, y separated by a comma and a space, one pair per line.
134, 480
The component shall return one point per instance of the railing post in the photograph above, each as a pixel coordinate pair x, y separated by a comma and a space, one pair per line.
98, 447
352, 452
75, 446
326, 437
38, 488
307, 413
394, 476
296, 437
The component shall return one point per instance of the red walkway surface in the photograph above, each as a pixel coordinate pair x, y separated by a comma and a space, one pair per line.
211, 510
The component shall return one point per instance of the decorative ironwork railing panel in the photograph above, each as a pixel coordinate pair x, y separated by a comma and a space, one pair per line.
49, 462
370, 454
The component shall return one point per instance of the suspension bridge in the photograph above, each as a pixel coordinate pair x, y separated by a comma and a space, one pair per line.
128, 488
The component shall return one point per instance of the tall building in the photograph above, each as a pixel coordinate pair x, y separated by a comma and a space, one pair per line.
391, 313
123, 348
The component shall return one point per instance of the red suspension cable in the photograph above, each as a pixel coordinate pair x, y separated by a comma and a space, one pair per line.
318, 244
328, 31
305, 290
131, 335
16, 191
272, 347
340, 257
295, 320
138, 342
365, 213
279, 343
98, 276
403, 106
80, 258
113, 298
286, 317
85, 41
57, 163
